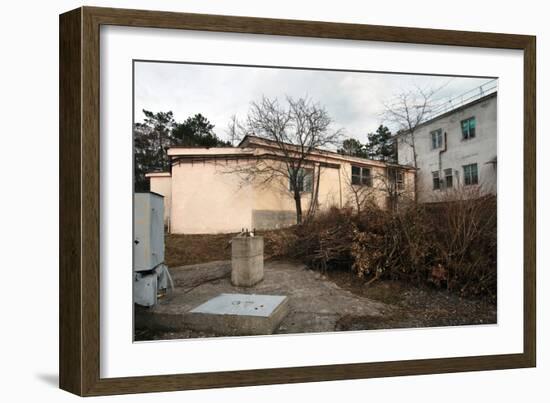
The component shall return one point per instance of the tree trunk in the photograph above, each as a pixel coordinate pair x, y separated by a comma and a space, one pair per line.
298, 202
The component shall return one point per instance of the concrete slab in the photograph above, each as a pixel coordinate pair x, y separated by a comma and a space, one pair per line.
314, 303
239, 314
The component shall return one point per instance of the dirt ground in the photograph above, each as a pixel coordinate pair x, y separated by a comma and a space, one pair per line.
318, 303
412, 306
336, 301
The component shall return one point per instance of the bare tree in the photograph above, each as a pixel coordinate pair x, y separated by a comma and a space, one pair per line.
235, 130
407, 110
394, 184
296, 129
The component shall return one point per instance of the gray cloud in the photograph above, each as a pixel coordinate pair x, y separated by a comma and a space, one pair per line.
354, 100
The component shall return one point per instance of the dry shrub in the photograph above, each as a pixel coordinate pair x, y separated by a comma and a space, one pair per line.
322, 242
451, 244
466, 241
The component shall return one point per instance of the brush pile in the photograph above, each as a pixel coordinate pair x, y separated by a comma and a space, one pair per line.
449, 244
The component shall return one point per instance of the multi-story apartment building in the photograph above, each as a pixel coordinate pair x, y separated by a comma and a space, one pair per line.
455, 150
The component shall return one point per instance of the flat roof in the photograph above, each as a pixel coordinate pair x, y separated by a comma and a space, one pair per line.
317, 152
249, 148
180, 151
157, 174
451, 111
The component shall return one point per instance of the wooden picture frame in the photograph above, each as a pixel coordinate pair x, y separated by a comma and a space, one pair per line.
79, 201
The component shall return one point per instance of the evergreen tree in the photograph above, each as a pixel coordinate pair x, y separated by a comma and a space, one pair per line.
380, 145
354, 148
152, 138
197, 131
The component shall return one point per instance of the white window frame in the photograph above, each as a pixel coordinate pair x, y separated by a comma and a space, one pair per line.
436, 135
467, 171
365, 176
469, 135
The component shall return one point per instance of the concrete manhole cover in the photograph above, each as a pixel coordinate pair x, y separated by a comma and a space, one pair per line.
239, 314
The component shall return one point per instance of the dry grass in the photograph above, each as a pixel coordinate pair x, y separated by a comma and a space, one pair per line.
412, 306
181, 250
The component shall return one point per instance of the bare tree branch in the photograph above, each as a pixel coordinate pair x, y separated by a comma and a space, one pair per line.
407, 110
297, 129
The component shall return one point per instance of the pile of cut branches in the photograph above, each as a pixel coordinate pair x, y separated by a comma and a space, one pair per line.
448, 244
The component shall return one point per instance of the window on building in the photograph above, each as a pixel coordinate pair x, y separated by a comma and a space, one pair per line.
436, 180
437, 139
448, 178
470, 174
361, 176
396, 178
468, 128
304, 179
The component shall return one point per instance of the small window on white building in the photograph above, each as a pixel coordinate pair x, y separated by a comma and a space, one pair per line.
468, 128
437, 139
361, 176
436, 180
470, 174
448, 178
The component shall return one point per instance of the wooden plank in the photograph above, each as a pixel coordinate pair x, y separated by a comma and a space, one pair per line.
530, 203
90, 201
70, 276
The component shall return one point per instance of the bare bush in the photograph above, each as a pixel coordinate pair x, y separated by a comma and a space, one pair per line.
466, 223
451, 244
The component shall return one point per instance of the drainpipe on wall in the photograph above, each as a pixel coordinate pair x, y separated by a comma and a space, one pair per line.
444, 149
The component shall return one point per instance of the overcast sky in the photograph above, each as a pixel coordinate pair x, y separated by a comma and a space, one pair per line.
354, 100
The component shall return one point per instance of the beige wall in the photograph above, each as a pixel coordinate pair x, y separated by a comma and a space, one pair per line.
208, 200
330, 188
163, 186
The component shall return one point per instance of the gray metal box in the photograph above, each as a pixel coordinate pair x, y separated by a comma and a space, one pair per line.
148, 231
145, 289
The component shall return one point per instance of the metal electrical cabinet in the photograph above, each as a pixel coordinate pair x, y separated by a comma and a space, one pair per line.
150, 274
148, 231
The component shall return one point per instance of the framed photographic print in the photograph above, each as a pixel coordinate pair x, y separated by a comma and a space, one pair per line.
263, 201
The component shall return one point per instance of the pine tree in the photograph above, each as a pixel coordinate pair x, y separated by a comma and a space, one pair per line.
380, 145
354, 148
152, 138
197, 131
